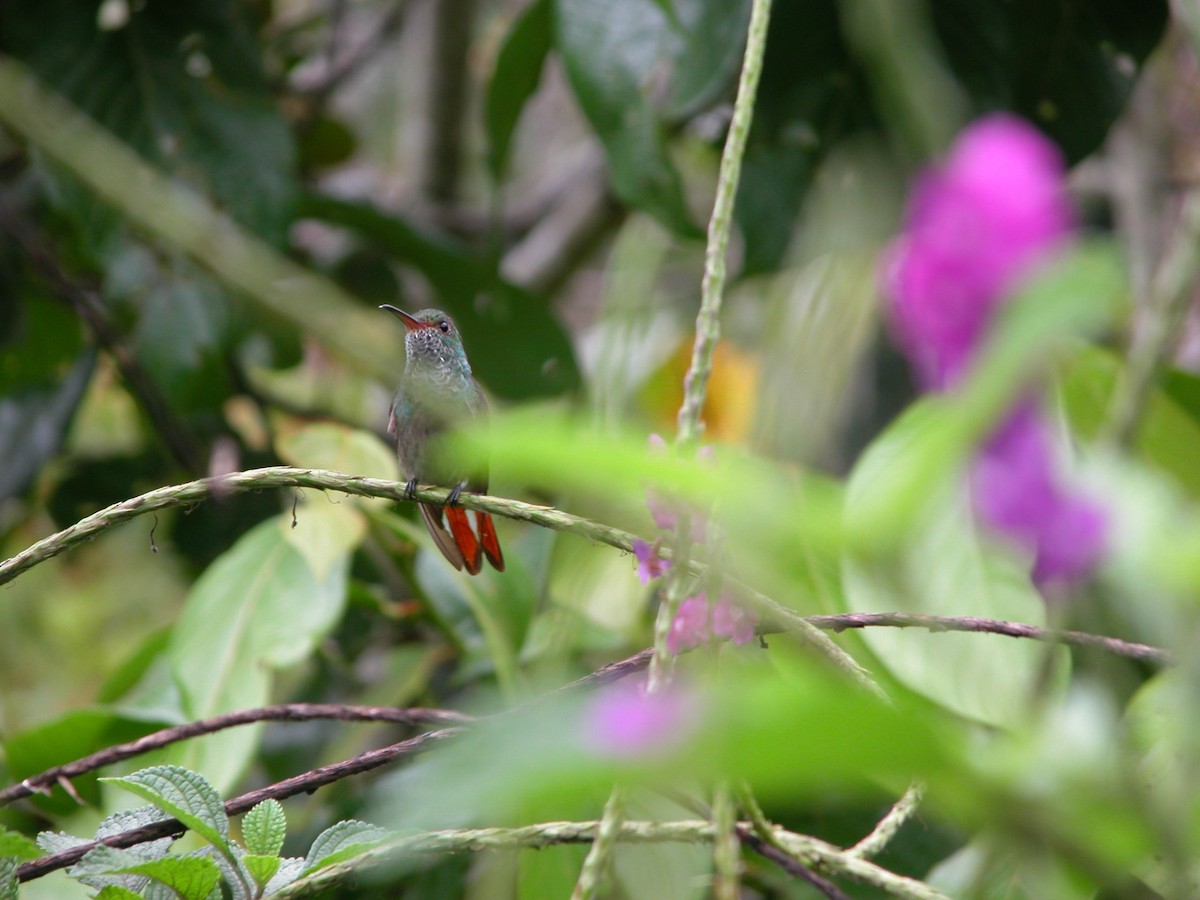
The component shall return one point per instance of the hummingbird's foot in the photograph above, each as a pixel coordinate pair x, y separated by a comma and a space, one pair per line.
410, 488
452, 497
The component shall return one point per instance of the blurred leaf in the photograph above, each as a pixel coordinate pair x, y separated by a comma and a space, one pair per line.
337, 448
262, 868
515, 78
117, 892
185, 795
710, 42
610, 49
33, 424
1067, 66
947, 568
1168, 435
327, 142
9, 886
182, 84
259, 606
516, 346
263, 829
41, 342
17, 846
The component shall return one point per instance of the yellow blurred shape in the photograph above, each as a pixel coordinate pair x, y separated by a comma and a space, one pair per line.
732, 396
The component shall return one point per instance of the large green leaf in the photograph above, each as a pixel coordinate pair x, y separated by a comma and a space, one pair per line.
516, 346
182, 83
610, 49
264, 604
947, 567
518, 71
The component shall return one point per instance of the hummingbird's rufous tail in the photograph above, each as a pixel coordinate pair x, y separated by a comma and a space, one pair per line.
464, 537
487, 537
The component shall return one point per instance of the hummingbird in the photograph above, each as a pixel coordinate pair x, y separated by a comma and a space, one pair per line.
437, 391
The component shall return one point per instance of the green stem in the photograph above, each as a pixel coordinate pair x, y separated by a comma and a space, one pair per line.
727, 849
708, 325
889, 826
599, 858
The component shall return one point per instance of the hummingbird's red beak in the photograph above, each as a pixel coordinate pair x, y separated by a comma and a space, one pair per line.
409, 322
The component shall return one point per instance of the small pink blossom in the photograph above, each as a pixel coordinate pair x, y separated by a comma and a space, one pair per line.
733, 622
689, 628
649, 564
624, 720
695, 623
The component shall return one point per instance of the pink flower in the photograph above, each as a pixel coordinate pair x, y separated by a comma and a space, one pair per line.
665, 510
689, 628
650, 564
733, 622
695, 623
624, 720
976, 228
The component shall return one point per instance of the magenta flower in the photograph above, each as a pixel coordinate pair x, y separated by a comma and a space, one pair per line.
624, 720
976, 228
649, 564
1015, 490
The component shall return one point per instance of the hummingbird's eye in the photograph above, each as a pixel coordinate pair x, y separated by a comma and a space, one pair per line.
444, 326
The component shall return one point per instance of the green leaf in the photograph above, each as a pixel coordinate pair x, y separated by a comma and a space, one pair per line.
9, 886
189, 877
186, 795
40, 338
709, 39
341, 841
517, 348
261, 868
263, 829
947, 567
261, 605
610, 48
515, 78
181, 84
17, 845
117, 892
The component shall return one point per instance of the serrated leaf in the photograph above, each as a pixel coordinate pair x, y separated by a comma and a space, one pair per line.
59, 841
184, 794
261, 868
341, 841
290, 868
17, 845
190, 877
263, 829
9, 886
515, 78
257, 606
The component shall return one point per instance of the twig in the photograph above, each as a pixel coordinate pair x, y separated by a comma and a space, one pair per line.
599, 857
300, 784
1142, 652
726, 845
712, 288
889, 826
288, 712
546, 834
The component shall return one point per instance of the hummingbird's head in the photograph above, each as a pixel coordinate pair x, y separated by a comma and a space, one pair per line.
431, 337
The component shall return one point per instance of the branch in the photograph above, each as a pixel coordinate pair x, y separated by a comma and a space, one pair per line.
288, 712
546, 834
1132, 650
888, 827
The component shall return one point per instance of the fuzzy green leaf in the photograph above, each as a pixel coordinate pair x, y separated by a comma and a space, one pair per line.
185, 795
341, 841
17, 845
262, 868
264, 828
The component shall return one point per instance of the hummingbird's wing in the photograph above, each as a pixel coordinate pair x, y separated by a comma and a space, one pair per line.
445, 541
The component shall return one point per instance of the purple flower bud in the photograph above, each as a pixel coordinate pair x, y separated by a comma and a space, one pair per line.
649, 564
624, 721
